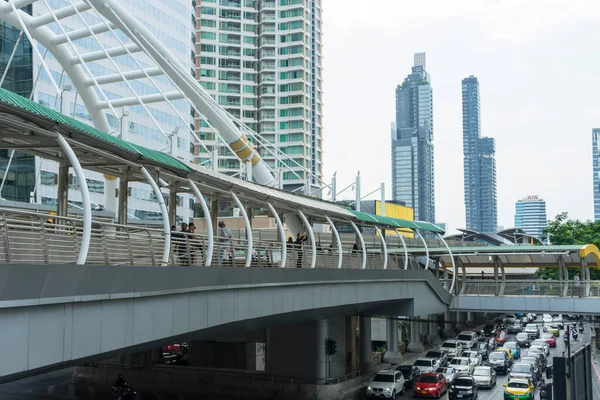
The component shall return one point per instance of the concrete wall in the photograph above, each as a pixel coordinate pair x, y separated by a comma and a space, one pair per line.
502, 304
64, 315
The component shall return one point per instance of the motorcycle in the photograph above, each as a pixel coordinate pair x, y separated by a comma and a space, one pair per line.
575, 335
566, 337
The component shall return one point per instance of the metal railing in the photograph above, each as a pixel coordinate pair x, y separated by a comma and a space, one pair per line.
538, 288
37, 238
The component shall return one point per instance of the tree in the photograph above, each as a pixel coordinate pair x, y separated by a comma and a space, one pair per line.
565, 231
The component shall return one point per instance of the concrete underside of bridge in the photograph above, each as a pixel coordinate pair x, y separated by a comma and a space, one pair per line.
54, 316
503, 304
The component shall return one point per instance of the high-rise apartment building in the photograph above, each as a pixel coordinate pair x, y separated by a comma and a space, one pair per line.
479, 164
596, 168
261, 60
530, 215
173, 23
412, 143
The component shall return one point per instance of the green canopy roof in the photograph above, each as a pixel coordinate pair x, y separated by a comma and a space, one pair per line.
143, 152
396, 223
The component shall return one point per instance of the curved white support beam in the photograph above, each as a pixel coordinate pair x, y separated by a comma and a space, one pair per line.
362, 244
164, 212
454, 271
207, 217
311, 234
405, 249
385, 252
337, 240
281, 234
248, 226
63, 55
113, 11
426, 248
85, 199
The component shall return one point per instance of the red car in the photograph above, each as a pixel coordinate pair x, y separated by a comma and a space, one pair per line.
550, 339
501, 338
431, 384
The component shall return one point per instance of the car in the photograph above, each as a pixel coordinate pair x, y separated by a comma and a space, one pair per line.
426, 364
485, 376
449, 372
431, 384
514, 348
490, 330
410, 373
509, 319
523, 339
500, 361
525, 320
524, 371
547, 319
508, 352
386, 383
473, 355
441, 355
549, 338
559, 321
515, 327
532, 316
532, 330
519, 389
464, 386
535, 362
542, 343
501, 338
462, 364
483, 348
467, 338
453, 347
553, 329
536, 351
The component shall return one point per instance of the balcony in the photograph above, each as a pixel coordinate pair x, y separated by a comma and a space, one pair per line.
230, 3
267, 54
268, 4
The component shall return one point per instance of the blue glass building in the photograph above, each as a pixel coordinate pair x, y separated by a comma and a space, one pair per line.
596, 166
479, 164
412, 143
530, 215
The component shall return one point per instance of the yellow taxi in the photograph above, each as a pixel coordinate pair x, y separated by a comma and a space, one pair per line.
519, 388
507, 351
553, 329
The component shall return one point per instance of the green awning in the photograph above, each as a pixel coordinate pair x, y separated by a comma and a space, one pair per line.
143, 152
396, 223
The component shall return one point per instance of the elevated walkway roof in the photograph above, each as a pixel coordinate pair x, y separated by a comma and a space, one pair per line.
31, 128
517, 256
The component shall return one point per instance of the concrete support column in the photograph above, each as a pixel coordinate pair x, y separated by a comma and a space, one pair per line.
470, 318
123, 201
350, 345
448, 324
392, 355
415, 345
434, 336
62, 199
173, 205
366, 357
461, 318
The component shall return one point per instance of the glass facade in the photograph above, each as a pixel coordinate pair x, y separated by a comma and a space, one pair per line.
530, 215
19, 182
596, 170
261, 60
479, 164
412, 143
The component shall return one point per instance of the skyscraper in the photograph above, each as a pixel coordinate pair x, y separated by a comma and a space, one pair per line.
479, 164
596, 167
173, 23
530, 215
412, 143
261, 60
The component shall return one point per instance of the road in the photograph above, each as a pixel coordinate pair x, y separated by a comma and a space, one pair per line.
57, 385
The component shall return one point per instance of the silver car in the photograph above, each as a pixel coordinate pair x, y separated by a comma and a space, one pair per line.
449, 372
427, 364
485, 376
523, 370
463, 364
387, 383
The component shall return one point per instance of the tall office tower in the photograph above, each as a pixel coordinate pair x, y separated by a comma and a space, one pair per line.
530, 215
261, 60
479, 164
412, 143
596, 167
173, 23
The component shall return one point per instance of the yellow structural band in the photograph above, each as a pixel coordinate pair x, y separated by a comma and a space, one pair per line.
590, 249
109, 177
245, 150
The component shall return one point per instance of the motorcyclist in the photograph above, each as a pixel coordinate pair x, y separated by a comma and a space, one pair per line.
120, 383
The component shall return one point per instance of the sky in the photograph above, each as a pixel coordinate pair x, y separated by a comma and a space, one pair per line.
538, 66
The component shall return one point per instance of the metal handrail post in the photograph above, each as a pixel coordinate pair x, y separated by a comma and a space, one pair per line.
338, 240
362, 244
453, 263
385, 252
311, 234
426, 248
208, 218
405, 249
165, 214
281, 234
248, 229
85, 199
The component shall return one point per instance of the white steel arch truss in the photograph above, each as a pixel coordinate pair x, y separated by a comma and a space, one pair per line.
167, 77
